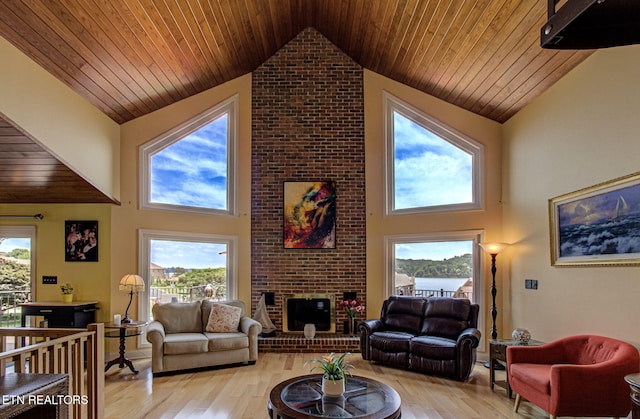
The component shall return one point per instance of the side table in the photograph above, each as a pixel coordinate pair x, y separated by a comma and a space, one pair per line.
125, 330
498, 361
634, 382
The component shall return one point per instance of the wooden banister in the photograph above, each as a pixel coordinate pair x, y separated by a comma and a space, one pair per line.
61, 351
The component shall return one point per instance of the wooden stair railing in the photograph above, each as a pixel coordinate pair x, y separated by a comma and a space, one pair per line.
61, 351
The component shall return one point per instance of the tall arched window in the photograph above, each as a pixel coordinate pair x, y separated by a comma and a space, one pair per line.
191, 168
429, 166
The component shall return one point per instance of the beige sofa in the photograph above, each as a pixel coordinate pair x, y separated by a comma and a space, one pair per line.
180, 342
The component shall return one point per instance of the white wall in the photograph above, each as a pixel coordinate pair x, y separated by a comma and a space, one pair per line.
583, 131
76, 132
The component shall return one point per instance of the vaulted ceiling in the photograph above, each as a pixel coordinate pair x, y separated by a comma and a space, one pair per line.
131, 57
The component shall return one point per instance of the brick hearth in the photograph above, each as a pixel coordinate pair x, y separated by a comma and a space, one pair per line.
322, 342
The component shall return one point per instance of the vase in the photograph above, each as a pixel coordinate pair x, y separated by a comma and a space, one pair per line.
332, 388
352, 326
309, 330
67, 298
521, 336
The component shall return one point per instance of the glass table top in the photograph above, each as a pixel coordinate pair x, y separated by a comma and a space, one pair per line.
361, 398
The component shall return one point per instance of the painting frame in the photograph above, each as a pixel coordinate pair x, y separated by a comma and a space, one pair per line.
81, 241
598, 225
309, 214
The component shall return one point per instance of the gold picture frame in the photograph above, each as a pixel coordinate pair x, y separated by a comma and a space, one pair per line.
598, 225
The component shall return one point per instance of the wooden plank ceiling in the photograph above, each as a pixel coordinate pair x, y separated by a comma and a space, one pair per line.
131, 57
31, 174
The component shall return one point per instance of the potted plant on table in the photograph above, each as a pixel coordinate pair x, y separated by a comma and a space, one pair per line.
67, 292
334, 373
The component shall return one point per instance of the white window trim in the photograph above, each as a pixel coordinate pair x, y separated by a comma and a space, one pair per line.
25, 232
230, 107
144, 258
391, 104
476, 236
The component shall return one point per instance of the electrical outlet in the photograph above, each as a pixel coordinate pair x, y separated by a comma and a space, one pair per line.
48, 279
531, 284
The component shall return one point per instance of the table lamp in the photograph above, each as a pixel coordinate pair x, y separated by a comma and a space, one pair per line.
131, 283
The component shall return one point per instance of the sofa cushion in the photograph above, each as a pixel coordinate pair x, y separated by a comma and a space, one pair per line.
433, 347
227, 341
446, 317
185, 343
391, 341
179, 317
537, 376
404, 314
208, 304
223, 319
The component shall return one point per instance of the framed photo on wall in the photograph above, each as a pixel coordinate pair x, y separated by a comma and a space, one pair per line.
81, 241
598, 225
309, 215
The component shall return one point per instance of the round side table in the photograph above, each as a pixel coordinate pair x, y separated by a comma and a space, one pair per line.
124, 331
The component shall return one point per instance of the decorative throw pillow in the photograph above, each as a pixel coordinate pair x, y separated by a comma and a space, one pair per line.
223, 318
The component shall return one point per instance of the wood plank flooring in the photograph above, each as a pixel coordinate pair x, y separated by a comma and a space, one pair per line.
243, 392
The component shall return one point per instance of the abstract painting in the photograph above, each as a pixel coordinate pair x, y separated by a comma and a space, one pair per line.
599, 225
309, 215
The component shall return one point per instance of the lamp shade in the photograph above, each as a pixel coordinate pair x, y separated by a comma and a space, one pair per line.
493, 248
132, 282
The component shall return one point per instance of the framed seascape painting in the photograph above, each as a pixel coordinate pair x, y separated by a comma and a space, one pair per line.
309, 215
599, 225
81, 241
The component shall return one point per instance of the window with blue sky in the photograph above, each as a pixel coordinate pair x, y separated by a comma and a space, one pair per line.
190, 168
430, 167
435, 264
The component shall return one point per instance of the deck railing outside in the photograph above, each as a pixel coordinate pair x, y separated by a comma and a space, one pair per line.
442, 293
76, 352
10, 310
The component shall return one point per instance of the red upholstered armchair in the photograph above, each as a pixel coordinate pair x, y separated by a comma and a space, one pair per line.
574, 376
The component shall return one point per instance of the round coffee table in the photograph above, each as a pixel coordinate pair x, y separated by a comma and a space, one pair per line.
301, 397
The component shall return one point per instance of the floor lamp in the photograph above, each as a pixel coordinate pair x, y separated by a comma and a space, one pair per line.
493, 249
131, 283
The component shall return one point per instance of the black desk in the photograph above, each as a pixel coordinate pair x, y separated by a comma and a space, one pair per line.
77, 314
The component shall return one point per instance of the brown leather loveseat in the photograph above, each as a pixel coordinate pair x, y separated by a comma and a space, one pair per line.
435, 335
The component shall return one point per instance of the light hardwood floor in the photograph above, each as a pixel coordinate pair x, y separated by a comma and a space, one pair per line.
243, 392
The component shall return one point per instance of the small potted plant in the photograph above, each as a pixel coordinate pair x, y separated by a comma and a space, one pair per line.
334, 373
67, 292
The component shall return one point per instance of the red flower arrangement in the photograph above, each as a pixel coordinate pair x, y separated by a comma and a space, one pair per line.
352, 307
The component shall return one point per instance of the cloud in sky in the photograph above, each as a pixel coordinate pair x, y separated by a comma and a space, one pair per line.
428, 170
433, 250
193, 170
190, 255
9, 244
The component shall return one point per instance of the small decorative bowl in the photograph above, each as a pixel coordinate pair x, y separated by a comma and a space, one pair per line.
521, 336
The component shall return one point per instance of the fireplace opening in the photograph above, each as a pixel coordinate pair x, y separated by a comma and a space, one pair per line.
318, 309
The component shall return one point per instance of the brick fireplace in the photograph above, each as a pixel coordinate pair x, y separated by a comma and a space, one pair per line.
308, 125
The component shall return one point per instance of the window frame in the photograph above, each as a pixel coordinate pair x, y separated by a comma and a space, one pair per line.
145, 236
479, 281
25, 232
392, 104
148, 149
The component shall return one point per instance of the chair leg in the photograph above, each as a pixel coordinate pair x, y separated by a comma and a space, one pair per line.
552, 416
517, 403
